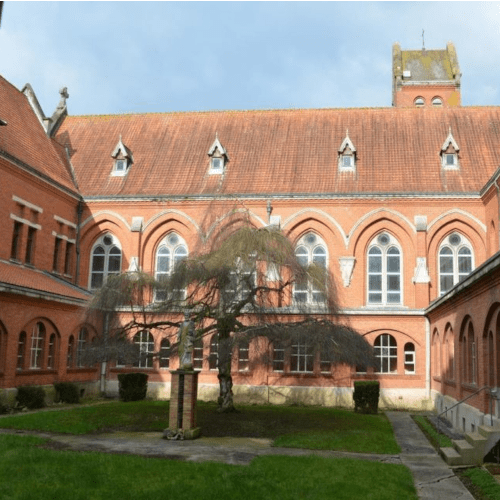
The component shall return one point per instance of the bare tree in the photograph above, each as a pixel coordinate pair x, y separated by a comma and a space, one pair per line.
239, 287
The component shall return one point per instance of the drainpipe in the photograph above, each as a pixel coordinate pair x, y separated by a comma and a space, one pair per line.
498, 204
428, 357
79, 211
105, 331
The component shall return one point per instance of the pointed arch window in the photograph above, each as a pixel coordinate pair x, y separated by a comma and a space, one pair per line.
310, 250
106, 260
171, 251
384, 271
456, 261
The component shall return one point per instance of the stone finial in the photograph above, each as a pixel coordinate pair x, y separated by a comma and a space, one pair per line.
64, 96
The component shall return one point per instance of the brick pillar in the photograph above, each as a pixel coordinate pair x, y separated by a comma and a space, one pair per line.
182, 414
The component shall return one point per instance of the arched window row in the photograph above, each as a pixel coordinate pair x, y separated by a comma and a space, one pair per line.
38, 348
384, 265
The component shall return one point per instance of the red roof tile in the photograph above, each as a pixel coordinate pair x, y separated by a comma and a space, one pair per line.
33, 280
25, 139
285, 151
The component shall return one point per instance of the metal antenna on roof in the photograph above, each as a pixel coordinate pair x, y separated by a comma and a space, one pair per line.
423, 41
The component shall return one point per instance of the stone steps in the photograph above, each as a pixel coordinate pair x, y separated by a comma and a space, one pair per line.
472, 449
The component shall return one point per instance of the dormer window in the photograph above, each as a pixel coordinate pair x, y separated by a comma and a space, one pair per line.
450, 160
120, 166
449, 153
218, 157
216, 165
347, 155
123, 159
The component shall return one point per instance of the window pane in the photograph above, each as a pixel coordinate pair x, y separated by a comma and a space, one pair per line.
375, 283
393, 283
393, 264
375, 298
464, 264
446, 264
98, 263
446, 283
375, 264
114, 264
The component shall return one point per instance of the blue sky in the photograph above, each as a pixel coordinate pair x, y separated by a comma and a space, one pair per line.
134, 57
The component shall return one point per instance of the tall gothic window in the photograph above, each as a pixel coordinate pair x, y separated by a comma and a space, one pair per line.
172, 250
384, 271
106, 260
456, 261
311, 249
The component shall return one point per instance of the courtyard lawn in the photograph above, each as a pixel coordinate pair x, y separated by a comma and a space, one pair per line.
28, 470
301, 427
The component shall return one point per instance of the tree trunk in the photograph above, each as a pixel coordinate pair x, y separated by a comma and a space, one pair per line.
225, 399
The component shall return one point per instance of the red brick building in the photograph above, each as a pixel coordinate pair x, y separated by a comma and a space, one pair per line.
401, 202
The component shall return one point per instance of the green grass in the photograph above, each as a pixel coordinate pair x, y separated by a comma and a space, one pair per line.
481, 483
299, 427
27, 470
437, 439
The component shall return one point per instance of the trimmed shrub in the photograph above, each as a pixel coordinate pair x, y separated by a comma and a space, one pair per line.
366, 394
67, 392
31, 397
133, 386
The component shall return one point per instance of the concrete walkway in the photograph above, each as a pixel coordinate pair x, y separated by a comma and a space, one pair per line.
433, 478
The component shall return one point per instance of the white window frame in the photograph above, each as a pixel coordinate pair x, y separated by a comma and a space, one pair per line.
176, 251
455, 248
83, 335
216, 165
351, 167
313, 250
278, 356
450, 166
410, 358
165, 348
38, 336
302, 358
244, 357
384, 272
120, 167
145, 340
107, 245
386, 352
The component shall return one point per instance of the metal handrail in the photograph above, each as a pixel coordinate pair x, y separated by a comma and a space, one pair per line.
465, 399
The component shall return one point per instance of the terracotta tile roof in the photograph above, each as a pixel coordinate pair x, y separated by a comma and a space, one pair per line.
25, 139
21, 279
285, 151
